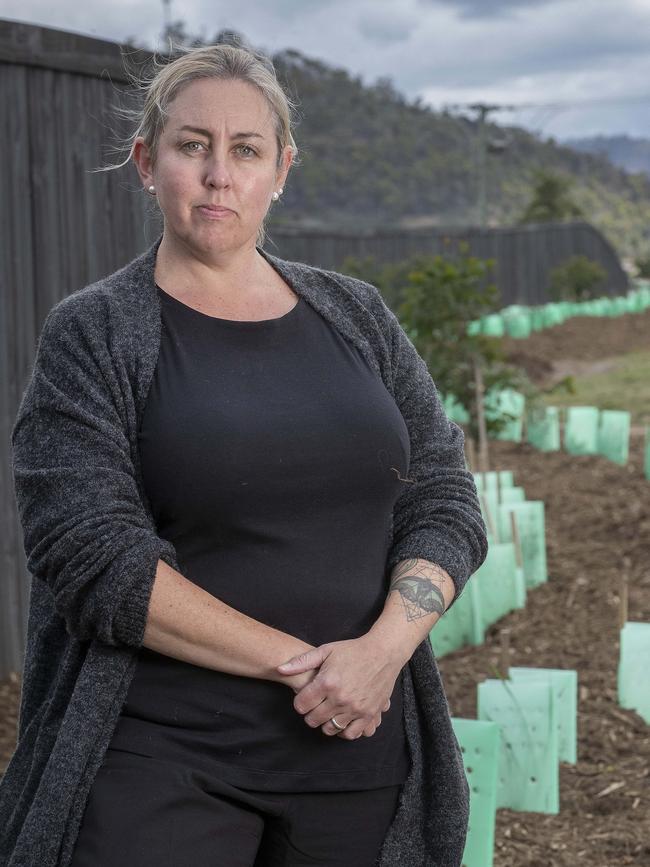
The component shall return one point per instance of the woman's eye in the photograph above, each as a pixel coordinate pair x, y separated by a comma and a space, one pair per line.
188, 145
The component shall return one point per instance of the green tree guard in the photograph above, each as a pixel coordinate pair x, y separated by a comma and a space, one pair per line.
479, 743
543, 428
565, 684
509, 403
633, 667
506, 480
497, 580
614, 435
528, 773
581, 430
532, 536
461, 625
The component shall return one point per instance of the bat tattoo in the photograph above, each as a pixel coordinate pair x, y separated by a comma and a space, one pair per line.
419, 594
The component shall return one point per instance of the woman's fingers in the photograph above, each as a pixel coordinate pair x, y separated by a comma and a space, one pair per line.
323, 713
353, 728
369, 730
359, 727
304, 661
328, 728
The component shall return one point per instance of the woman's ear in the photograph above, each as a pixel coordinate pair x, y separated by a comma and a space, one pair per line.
283, 171
143, 161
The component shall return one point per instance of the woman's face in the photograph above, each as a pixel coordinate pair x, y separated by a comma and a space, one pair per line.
218, 148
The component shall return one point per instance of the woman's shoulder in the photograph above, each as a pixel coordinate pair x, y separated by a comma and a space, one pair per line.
92, 307
337, 283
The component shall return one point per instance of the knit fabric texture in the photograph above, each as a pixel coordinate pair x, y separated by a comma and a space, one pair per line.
92, 550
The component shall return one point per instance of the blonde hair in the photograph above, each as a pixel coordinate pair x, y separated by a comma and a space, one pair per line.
222, 61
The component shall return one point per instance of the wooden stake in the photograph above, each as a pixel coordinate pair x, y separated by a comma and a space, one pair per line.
504, 666
623, 593
519, 557
483, 456
471, 454
489, 517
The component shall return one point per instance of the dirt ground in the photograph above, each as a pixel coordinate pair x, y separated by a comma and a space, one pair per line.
574, 346
598, 524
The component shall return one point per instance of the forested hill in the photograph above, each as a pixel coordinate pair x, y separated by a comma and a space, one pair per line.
370, 157
631, 154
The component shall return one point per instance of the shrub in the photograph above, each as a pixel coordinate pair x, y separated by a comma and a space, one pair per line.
643, 266
551, 199
577, 279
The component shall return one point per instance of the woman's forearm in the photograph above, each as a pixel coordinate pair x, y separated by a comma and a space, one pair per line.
188, 623
419, 594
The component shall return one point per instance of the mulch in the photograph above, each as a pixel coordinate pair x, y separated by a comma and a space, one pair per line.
598, 524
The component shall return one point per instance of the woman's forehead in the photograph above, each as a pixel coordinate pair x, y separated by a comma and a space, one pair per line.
208, 107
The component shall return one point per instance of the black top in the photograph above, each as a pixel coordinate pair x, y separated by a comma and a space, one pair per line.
269, 452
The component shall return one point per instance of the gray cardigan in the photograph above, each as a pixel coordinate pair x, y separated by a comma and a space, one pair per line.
92, 549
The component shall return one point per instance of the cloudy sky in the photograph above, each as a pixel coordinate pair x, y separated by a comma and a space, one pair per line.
570, 67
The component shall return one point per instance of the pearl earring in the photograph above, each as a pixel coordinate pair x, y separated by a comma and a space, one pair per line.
152, 189
277, 195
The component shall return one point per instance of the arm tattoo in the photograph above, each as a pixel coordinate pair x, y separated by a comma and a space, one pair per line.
418, 592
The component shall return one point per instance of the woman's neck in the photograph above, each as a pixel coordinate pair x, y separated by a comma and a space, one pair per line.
219, 273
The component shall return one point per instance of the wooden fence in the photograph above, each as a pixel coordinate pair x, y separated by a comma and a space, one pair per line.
63, 226
524, 255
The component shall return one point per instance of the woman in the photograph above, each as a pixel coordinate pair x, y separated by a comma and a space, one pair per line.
234, 476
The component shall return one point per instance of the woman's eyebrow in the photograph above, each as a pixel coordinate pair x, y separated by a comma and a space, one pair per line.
208, 134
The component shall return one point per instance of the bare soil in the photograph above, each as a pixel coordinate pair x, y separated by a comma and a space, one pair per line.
579, 345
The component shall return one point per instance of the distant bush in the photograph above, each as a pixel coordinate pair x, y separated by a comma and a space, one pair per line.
643, 266
577, 279
551, 199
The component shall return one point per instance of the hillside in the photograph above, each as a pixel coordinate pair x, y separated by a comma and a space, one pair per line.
371, 157
631, 154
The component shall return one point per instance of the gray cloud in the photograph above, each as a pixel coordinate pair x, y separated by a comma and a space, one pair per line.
488, 8
444, 51
388, 26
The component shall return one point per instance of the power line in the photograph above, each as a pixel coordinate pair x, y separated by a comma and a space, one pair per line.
557, 104
483, 110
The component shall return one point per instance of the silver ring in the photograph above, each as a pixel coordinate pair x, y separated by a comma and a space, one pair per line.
336, 725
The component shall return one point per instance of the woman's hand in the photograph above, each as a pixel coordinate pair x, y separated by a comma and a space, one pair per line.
298, 681
354, 683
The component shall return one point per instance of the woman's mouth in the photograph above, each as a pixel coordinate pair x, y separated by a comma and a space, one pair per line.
215, 212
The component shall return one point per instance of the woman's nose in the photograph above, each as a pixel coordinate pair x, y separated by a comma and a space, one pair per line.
218, 171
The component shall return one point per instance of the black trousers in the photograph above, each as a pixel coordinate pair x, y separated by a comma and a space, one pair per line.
146, 812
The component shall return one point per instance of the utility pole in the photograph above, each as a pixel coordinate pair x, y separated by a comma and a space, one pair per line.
483, 145
482, 110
